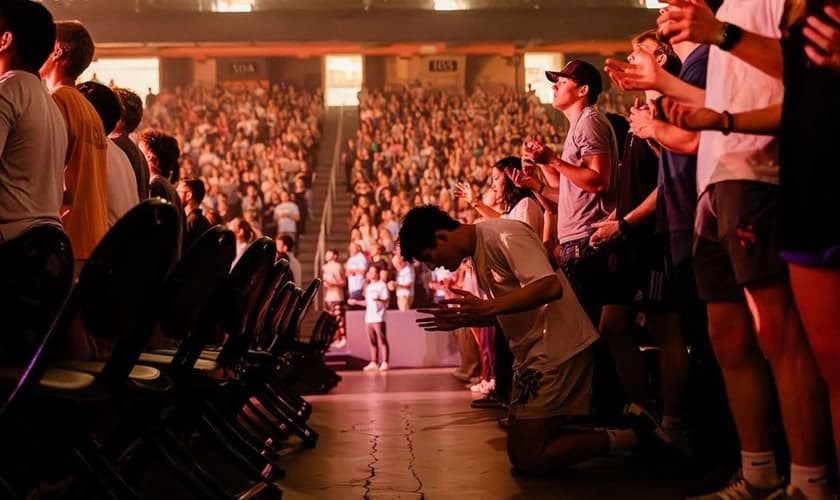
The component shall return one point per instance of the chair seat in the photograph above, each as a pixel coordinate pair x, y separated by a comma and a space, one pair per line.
139, 372
54, 378
204, 365
211, 354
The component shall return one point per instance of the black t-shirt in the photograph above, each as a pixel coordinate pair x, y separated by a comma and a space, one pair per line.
677, 199
637, 177
810, 173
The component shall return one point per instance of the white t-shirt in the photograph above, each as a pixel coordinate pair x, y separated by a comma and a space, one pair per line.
405, 276
735, 86
33, 146
374, 309
356, 262
122, 184
284, 214
509, 256
528, 211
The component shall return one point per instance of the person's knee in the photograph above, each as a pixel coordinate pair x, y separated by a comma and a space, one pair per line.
778, 329
731, 334
526, 460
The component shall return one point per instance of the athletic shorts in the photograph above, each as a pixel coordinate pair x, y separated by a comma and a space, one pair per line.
547, 392
736, 242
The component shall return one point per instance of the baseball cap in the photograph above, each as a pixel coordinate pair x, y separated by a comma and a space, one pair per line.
581, 72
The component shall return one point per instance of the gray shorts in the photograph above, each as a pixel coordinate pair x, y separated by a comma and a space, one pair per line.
548, 392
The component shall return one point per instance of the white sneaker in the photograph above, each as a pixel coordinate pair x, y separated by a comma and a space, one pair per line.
371, 367
479, 387
340, 343
383, 367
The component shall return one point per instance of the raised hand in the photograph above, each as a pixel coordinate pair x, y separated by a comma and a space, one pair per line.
521, 180
463, 190
644, 73
539, 152
689, 20
642, 120
824, 38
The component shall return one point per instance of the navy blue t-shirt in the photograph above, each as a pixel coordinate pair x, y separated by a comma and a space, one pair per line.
677, 182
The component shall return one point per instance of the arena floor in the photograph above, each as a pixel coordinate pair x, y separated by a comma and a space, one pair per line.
411, 434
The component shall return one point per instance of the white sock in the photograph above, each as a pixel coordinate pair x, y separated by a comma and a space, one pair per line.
622, 439
812, 482
759, 468
670, 422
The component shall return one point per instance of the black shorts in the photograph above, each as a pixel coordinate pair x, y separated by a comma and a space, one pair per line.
736, 243
637, 274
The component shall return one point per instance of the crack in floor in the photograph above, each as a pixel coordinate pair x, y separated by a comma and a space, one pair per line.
409, 431
374, 444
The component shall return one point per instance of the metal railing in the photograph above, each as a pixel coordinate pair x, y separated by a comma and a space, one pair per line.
329, 200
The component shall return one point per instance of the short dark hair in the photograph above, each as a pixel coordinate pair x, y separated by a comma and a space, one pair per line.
197, 188
288, 241
672, 65
419, 228
105, 102
132, 109
32, 29
76, 46
166, 150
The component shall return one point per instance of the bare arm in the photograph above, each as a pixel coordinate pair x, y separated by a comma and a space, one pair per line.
695, 22
592, 176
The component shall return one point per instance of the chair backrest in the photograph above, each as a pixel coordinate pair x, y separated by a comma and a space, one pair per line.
280, 275
199, 274
115, 294
283, 314
241, 296
37, 276
304, 304
120, 285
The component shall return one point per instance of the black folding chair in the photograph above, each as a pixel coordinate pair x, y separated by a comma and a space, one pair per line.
113, 299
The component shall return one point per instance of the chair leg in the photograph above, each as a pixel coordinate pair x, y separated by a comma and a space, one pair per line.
98, 468
269, 472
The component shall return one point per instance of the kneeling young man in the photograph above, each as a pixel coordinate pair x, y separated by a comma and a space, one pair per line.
547, 329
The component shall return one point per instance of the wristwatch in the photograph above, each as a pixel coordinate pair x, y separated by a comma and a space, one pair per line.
624, 227
729, 35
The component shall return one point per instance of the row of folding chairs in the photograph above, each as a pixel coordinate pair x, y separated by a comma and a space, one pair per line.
220, 378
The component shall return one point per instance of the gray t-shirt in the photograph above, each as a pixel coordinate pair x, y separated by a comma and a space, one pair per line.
590, 134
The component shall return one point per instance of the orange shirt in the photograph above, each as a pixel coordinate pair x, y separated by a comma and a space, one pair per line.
85, 172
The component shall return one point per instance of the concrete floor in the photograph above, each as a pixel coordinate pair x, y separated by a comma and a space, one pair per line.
411, 434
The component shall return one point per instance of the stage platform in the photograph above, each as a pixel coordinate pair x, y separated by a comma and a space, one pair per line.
411, 347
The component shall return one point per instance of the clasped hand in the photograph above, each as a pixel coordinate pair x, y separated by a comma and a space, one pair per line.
464, 310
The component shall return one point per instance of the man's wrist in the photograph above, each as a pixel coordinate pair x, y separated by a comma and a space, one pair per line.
541, 189
728, 35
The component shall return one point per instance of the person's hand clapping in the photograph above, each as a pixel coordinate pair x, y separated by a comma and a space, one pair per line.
463, 190
642, 120
521, 180
540, 153
644, 73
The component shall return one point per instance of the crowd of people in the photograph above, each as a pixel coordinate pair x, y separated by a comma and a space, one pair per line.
697, 226
703, 220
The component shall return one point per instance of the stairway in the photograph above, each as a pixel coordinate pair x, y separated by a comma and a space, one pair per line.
339, 238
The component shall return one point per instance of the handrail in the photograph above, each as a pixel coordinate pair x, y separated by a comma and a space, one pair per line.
329, 200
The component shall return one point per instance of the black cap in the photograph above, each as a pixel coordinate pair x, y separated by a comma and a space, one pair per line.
582, 73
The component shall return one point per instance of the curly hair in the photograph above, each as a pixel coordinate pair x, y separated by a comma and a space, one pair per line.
132, 109
419, 227
166, 150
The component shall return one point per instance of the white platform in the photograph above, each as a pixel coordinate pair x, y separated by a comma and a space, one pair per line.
411, 346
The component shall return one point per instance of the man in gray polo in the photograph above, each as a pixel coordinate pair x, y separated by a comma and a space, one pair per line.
580, 180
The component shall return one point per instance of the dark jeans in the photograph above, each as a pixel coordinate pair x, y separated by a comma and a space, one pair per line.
586, 270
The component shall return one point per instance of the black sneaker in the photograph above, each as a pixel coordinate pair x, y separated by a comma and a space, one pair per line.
491, 400
648, 430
